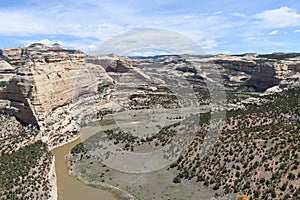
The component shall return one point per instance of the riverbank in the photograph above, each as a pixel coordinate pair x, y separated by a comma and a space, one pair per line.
52, 180
64, 143
68, 187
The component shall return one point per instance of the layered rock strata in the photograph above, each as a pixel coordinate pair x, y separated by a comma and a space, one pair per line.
39, 79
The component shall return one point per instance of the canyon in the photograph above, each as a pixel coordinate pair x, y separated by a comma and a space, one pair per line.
57, 91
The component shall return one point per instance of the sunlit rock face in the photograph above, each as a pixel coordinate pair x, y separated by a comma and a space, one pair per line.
258, 72
40, 79
110, 62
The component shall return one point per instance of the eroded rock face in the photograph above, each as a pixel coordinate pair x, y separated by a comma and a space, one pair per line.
111, 62
56, 88
254, 71
45, 78
6, 71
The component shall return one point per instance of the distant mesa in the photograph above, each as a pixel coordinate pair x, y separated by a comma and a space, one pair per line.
36, 46
56, 45
40, 46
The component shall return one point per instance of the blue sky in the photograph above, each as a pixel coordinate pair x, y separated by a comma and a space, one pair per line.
218, 26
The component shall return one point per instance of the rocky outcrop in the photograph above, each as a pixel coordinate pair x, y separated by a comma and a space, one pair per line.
262, 78
45, 78
15, 56
111, 62
6, 72
253, 71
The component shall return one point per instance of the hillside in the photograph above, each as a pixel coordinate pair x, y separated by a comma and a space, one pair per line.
256, 154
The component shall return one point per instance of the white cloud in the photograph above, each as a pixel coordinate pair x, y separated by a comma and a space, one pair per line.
159, 22
217, 12
237, 14
187, 17
259, 41
296, 31
278, 18
275, 32
209, 44
68, 22
49, 42
107, 20
92, 47
253, 38
17, 23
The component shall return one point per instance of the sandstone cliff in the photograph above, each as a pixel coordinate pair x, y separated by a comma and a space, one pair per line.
111, 62
266, 72
38, 79
55, 88
257, 72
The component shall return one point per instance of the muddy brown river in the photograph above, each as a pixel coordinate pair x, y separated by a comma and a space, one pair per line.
68, 187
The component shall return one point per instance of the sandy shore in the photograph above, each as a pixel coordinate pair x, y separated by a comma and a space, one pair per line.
53, 182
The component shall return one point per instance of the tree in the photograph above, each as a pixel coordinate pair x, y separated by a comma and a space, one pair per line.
256, 194
176, 179
291, 176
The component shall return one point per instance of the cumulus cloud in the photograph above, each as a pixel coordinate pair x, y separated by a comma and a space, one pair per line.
278, 18
275, 32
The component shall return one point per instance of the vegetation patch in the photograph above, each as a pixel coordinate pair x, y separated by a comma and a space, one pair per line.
24, 173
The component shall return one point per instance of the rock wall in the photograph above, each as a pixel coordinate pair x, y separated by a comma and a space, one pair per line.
111, 62
45, 78
256, 72
41, 85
